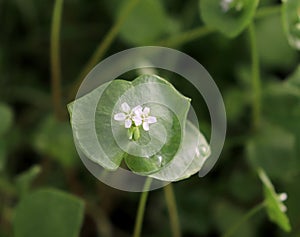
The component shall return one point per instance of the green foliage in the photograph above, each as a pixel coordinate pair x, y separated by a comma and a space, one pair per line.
230, 19
48, 212
147, 23
6, 115
275, 207
24, 180
54, 138
273, 149
273, 45
226, 213
291, 21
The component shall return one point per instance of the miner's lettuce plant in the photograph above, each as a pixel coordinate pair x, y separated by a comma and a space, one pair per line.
144, 123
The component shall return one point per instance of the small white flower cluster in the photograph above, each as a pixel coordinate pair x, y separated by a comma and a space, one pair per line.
136, 116
282, 197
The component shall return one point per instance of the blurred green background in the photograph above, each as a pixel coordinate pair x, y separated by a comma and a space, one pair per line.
44, 188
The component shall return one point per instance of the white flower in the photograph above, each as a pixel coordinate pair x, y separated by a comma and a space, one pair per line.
142, 117
228, 4
225, 5
128, 114
137, 116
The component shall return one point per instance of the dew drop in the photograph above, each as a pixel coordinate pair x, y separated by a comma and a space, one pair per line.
158, 158
203, 150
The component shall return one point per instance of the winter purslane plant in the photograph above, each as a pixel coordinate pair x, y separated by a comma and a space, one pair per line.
144, 123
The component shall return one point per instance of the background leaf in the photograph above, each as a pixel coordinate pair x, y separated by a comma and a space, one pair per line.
25, 179
231, 22
6, 116
226, 213
273, 203
54, 138
273, 149
291, 21
149, 22
48, 212
273, 45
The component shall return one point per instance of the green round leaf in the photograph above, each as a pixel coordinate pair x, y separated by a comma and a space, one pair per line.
173, 149
229, 18
155, 148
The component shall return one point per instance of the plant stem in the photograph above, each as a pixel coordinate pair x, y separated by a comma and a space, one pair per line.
141, 209
202, 31
55, 59
246, 217
105, 43
266, 11
185, 37
171, 204
256, 83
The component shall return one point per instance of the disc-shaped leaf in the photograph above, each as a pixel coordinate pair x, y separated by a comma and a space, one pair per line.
228, 17
48, 213
291, 21
156, 147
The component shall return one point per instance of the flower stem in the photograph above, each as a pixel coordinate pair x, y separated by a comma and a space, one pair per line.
105, 43
202, 31
185, 37
256, 83
141, 209
246, 217
55, 59
266, 11
171, 204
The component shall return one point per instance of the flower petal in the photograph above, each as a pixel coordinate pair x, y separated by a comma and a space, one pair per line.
119, 116
145, 126
137, 120
125, 107
138, 110
151, 119
146, 110
128, 123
